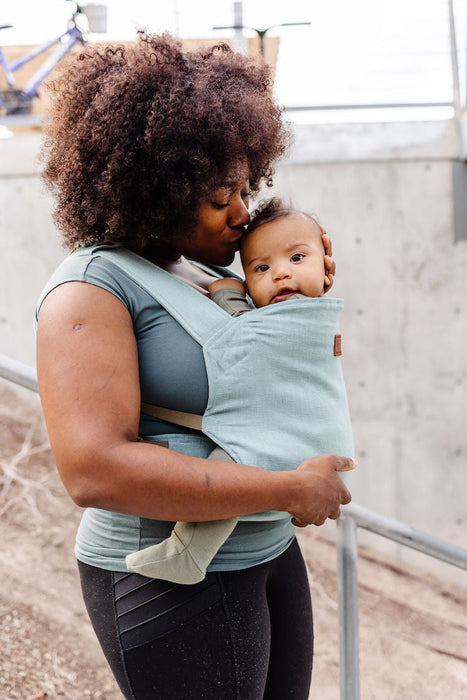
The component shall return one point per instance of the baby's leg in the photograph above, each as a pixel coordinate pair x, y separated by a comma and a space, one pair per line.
185, 555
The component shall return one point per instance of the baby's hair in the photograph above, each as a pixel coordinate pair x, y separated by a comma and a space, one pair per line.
272, 209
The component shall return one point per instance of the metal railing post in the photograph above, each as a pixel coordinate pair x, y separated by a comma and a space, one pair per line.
347, 592
456, 91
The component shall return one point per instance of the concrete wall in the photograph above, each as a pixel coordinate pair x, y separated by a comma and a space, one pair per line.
385, 194
30, 247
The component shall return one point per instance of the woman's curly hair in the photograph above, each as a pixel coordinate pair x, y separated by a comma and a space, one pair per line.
139, 136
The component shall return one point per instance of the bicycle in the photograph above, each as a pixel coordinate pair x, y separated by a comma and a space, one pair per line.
14, 100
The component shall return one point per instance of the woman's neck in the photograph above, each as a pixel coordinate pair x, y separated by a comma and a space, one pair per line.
189, 273
173, 262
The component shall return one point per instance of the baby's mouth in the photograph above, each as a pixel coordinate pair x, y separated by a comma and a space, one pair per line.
284, 294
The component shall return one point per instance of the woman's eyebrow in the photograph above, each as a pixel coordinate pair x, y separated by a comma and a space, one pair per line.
224, 190
233, 184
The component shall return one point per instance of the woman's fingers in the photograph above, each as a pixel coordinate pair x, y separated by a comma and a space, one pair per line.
345, 464
346, 497
335, 515
328, 261
329, 264
326, 242
299, 523
322, 491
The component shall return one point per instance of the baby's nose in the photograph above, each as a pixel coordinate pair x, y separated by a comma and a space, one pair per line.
281, 271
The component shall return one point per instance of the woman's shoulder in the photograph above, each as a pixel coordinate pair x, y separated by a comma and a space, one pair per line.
88, 266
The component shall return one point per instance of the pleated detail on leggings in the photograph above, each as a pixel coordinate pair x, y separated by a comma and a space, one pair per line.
149, 608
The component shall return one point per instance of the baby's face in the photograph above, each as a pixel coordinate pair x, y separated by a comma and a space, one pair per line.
284, 257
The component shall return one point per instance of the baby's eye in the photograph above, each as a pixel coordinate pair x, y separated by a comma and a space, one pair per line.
262, 268
296, 257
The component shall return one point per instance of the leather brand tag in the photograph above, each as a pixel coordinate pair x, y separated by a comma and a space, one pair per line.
337, 345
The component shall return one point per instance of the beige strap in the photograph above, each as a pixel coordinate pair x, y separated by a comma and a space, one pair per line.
187, 420
153, 442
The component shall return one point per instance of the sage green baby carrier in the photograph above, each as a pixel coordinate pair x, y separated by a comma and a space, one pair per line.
276, 389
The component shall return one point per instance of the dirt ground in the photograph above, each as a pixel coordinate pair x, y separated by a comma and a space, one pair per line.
413, 628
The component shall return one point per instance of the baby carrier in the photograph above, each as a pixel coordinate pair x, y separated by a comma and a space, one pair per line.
276, 394
276, 389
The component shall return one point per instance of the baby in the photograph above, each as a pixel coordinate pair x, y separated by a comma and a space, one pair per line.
282, 255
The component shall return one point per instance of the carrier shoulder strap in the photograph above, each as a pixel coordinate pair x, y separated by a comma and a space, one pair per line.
197, 314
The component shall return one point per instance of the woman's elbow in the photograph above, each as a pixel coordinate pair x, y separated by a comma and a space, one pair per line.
85, 494
85, 481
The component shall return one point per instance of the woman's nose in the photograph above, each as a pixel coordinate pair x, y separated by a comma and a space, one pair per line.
238, 214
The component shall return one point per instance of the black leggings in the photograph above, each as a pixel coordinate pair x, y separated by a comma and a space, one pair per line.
237, 635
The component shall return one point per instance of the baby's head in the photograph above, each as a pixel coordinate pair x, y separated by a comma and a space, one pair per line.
282, 254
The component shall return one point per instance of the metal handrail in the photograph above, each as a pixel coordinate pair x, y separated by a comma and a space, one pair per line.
18, 372
405, 534
352, 516
368, 105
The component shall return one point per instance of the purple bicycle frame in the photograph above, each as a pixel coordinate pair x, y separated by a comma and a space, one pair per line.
74, 35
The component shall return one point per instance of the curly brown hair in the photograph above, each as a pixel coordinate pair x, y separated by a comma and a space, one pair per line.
139, 136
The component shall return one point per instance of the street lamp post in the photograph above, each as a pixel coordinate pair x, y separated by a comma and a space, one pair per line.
262, 32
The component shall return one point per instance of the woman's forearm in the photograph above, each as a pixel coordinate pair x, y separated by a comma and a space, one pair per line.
154, 482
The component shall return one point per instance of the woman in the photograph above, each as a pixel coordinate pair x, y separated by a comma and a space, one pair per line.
158, 150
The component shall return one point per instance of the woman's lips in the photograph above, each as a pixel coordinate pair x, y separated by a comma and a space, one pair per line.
236, 241
284, 294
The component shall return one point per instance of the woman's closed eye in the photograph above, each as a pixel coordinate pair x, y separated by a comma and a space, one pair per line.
223, 205
219, 205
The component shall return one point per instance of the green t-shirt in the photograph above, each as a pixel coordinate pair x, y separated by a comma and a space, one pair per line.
172, 374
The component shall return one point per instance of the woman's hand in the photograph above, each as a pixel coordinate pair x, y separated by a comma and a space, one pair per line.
329, 264
320, 490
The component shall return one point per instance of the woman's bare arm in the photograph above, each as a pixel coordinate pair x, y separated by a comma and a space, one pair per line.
87, 368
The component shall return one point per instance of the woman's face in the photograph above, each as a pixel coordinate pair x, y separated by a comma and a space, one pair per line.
220, 224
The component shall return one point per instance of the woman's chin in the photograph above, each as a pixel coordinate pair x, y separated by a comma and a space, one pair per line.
221, 259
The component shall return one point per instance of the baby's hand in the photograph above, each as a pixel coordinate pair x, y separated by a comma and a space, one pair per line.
227, 283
